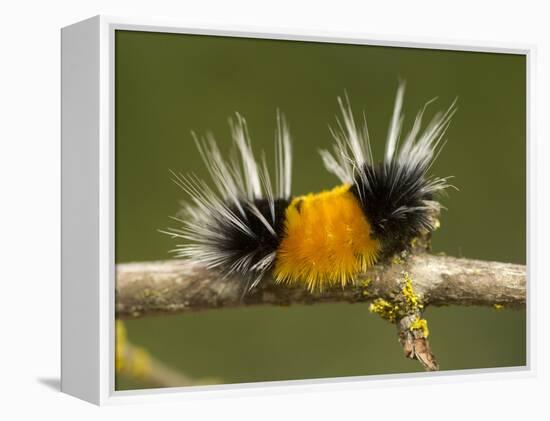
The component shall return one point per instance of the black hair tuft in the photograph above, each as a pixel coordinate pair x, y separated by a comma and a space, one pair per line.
397, 202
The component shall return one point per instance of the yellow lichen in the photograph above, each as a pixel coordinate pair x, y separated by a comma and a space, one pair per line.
384, 309
366, 282
365, 285
397, 260
411, 298
420, 324
406, 303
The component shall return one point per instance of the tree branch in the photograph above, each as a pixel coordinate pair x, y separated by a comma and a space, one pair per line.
398, 291
177, 286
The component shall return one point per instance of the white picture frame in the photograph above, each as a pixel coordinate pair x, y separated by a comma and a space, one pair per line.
88, 269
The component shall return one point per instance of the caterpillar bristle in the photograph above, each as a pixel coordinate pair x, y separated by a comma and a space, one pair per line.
235, 227
397, 195
249, 224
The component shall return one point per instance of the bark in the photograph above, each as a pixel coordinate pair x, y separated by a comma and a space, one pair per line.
176, 286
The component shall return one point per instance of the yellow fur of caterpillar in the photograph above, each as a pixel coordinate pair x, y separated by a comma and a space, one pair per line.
327, 239
250, 225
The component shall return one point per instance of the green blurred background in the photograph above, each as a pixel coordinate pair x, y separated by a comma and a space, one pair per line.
170, 84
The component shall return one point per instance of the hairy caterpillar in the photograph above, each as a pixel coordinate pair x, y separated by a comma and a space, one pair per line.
251, 225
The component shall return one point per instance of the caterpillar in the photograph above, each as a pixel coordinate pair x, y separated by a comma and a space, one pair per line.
251, 225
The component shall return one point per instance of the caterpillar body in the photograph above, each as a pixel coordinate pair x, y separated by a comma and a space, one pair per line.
250, 225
